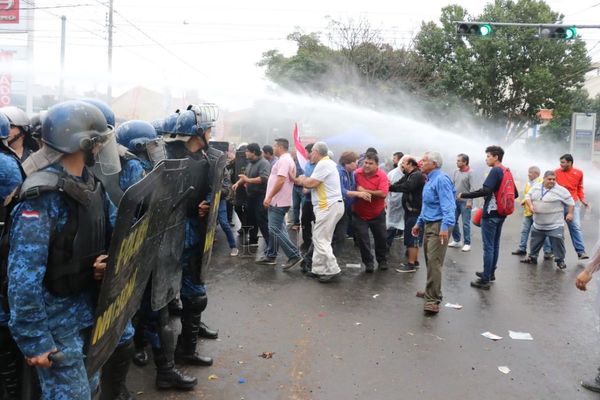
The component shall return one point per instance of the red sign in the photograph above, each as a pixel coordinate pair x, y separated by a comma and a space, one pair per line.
9, 11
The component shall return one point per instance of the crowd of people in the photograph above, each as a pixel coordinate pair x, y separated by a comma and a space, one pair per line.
60, 207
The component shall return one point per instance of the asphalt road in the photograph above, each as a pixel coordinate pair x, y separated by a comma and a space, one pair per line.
366, 336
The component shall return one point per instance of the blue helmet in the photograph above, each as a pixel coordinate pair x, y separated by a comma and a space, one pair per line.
74, 125
168, 124
196, 120
4, 126
158, 126
109, 114
135, 134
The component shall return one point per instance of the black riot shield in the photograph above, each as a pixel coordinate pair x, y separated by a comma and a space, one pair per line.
222, 146
211, 220
150, 213
240, 163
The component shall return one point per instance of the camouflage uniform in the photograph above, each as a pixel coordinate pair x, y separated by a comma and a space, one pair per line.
39, 320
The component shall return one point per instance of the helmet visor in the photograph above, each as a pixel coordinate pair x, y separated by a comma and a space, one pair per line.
156, 150
106, 154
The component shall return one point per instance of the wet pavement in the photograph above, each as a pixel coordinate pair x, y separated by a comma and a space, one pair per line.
366, 336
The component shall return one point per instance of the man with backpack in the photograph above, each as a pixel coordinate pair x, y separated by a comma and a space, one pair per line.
500, 192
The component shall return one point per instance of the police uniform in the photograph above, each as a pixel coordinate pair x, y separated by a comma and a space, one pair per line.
52, 308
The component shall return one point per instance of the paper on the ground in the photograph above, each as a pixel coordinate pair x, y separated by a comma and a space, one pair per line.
490, 335
451, 305
376, 295
504, 370
356, 266
520, 335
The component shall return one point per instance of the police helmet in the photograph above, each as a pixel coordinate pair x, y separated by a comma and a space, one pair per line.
17, 117
74, 125
4, 127
168, 124
135, 134
106, 110
158, 126
36, 124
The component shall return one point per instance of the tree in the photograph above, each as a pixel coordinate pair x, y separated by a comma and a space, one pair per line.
507, 77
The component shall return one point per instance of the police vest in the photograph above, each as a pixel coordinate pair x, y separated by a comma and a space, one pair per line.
72, 251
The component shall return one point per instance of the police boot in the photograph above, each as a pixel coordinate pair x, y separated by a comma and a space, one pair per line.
140, 356
114, 374
185, 352
205, 332
169, 377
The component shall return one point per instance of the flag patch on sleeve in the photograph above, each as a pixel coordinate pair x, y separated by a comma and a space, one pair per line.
30, 214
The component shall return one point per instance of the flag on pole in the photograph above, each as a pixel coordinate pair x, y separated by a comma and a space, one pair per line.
300, 150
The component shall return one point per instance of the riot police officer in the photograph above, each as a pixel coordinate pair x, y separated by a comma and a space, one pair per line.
11, 176
190, 140
58, 238
20, 139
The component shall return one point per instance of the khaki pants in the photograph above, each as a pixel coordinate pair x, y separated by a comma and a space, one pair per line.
435, 252
323, 260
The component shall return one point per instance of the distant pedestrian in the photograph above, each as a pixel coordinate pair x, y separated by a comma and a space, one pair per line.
307, 215
394, 212
370, 215
278, 200
328, 206
572, 179
534, 178
496, 192
411, 186
548, 200
268, 154
437, 219
462, 178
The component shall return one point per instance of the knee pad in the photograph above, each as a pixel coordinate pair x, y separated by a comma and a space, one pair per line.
195, 304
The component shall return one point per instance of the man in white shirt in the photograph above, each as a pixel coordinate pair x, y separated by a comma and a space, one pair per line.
328, 205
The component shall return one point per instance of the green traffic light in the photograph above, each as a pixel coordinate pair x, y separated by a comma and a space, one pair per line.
570, 33
485, 30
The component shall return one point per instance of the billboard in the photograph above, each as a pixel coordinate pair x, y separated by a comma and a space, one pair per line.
15, 16
583, 129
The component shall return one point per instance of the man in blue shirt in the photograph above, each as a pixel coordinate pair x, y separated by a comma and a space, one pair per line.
437, 219
491, 221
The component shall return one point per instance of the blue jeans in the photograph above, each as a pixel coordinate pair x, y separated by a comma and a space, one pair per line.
491, 229
297, 197
461, 209
224, 222
575, 229
278, 234
525, 229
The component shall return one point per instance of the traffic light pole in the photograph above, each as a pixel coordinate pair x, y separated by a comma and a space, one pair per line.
527, 25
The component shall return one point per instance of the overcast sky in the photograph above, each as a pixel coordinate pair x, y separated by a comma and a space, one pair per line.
214, 46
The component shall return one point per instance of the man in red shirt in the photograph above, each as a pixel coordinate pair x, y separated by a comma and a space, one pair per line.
370, 215
572, 179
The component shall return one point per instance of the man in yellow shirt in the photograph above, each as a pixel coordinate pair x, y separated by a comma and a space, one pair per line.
534, 179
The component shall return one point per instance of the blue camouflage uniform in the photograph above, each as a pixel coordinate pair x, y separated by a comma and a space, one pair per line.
10, 178
193, 238
40, 321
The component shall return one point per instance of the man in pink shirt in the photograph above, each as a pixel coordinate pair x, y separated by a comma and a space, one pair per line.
278, 200
370, 215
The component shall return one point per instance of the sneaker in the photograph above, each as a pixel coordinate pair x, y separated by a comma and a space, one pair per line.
431, 308
480, 275
234, 252
480, 284
548, 256
582, 256
561, 265
264, 260
406, 267
292, 262
592, 384
466, 247
383, 266
328, 278
529, 260
453, 244
369, 268
519, 253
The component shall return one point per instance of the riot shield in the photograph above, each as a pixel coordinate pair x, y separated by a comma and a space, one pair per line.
150, 212
222, 146
240, 163
211, 220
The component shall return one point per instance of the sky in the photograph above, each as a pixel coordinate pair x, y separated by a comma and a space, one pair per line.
213, 47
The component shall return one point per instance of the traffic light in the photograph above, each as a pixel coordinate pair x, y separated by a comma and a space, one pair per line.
474, 29
558, 32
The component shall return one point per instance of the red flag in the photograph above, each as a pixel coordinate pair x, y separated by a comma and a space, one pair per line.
300, 150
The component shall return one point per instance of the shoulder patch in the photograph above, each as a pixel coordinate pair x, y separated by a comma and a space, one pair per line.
30, 214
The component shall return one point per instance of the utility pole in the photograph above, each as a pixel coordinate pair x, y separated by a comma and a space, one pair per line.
63, 34
110, 49
30, 78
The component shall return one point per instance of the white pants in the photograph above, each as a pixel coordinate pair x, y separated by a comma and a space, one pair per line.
323, 260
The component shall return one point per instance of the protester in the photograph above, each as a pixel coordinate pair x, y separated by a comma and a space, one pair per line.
255, 182
492, 218
548, 201
307, 216
297, 196
411, 186
328, 206
534, 178
278, 200
436, 219
370, 215
394, 210
268, 154
581, 283
572, 179
462, 178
